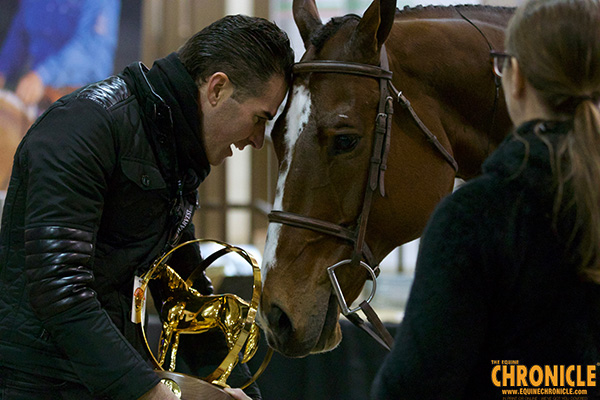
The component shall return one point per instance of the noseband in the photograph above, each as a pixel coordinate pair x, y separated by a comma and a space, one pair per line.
377, 167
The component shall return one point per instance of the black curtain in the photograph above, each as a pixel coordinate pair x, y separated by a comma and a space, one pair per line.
345, 373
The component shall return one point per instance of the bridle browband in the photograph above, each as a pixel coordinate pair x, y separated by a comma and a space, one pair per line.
375, 180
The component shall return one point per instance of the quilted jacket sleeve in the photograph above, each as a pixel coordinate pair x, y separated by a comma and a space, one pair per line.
68, 161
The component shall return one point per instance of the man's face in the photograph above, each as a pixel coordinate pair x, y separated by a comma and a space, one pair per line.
227, 122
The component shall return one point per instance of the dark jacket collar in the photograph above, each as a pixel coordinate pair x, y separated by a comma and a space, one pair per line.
168, 96
525, 153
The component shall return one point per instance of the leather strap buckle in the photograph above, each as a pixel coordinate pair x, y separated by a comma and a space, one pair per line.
337, 289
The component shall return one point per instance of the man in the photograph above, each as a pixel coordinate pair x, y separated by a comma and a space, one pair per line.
103, 183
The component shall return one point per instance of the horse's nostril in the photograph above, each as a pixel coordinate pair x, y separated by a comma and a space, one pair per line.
279, 320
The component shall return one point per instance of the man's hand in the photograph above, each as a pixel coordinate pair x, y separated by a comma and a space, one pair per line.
162, 392
159, 392
30, 88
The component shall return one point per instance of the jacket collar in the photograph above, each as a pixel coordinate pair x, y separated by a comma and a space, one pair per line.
526, 153
168, 97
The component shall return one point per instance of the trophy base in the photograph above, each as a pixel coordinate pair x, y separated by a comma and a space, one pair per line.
193, 388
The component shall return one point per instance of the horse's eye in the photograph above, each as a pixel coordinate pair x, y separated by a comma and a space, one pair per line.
344, 143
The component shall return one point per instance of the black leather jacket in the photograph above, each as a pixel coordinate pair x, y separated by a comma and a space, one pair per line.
97, 190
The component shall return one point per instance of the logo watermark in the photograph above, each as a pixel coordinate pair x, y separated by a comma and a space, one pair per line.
516, 381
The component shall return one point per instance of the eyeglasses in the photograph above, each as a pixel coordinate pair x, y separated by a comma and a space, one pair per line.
500, 59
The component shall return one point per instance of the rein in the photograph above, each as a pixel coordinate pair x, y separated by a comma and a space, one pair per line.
377, 167
497, 80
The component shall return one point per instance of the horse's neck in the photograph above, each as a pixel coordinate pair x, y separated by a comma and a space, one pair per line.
488, 14
440, 58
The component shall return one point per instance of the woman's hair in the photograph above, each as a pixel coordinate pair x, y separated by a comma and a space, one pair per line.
557, 46
250, 50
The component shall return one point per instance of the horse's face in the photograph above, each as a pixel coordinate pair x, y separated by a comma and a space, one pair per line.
323, 142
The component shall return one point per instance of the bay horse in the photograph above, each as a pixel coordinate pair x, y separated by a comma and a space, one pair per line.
446, 96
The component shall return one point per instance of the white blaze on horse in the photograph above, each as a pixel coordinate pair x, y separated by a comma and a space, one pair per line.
355, 183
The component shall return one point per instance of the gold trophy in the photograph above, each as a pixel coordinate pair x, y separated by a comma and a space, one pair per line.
186, 311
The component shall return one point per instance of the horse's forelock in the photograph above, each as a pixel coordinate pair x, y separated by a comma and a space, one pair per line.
320, 37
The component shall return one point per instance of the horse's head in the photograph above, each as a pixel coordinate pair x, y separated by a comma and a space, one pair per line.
324, 142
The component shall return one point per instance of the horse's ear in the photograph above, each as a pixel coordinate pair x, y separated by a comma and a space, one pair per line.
387, 12
375, 25
307, 19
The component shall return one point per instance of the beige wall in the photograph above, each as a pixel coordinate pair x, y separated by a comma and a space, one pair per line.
167, 24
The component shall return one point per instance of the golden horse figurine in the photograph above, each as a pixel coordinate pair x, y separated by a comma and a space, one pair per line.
186, 311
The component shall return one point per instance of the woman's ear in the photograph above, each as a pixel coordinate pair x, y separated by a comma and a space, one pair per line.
518, 86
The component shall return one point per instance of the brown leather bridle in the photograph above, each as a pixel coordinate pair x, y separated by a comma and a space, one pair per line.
375, 180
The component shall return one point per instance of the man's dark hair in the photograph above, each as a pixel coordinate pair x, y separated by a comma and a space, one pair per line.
250, 50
